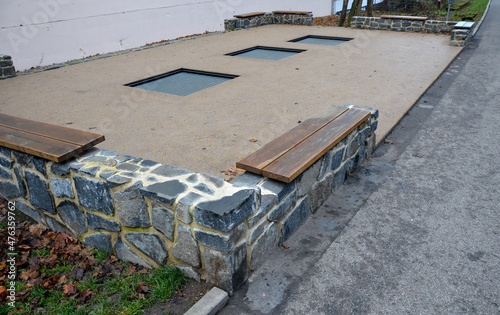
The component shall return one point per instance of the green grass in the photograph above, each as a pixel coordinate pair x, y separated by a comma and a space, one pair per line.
56, 270
112, 296
474, 10
40, 252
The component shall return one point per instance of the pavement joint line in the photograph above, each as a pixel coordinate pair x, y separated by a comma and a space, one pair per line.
210, 304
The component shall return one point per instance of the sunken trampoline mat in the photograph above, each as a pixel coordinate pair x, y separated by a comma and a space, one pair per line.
264, 52
182, 81
321, 40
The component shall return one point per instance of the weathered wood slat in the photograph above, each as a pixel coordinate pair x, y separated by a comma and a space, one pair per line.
271, 151
249, 14
288, 166
404, 17
37, 145
82, 138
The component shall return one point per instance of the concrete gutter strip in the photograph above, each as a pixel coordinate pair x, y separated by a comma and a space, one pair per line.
210, 304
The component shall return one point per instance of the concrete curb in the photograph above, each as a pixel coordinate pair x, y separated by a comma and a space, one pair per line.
210, 304
482, 19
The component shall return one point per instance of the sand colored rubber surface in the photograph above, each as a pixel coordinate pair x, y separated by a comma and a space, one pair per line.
210, 130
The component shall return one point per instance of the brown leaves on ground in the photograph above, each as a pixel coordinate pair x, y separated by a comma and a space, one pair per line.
42, 251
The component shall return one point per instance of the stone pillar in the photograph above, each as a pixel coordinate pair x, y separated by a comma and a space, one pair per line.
6, 66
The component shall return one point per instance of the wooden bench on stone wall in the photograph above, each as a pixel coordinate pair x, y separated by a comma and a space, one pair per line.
287, 156
51, 142
404, 17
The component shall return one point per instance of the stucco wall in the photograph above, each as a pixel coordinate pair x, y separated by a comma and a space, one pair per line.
42, 32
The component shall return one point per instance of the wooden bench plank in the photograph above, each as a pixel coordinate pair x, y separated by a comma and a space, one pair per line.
293, 12
37, 145
82, 138
404, 17
288, 166
268, 153
249, 14
464, 25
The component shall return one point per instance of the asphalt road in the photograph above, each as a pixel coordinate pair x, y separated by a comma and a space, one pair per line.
416, 230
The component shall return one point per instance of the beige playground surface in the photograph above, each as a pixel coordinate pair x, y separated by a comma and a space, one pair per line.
210, 130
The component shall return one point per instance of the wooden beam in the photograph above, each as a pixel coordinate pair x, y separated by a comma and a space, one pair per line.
295, 161
271, 151
249, 14
37, 145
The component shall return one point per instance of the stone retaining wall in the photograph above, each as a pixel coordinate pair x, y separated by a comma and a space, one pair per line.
268, 18
458, 37
6, 66
154, 214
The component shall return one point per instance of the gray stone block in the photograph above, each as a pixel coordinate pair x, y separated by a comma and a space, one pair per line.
9, 190
149, 163
72, 216
27, 210
92, 171
57, 226
39, 165
253, 234
165, 192
40, 195
23, 159
339, 176
352, 147
94, 158
186, 248
183, 206
220, 242
227, 212
295, 219
94, 195
99, 240
283, 208
216, 181
125, 253
307, 178
163, 220
265, 244
170, 171
5, 162
247, 179
190, 273
150, 244
279, 188
8, 71
117, 180
5, 173
267, 202
204, 188
127, 167
6, 152
97, 222
61, 168
320, 192
227, 271
337, 157
61, 187
131, 208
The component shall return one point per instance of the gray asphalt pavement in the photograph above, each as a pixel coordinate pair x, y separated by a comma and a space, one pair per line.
416, 230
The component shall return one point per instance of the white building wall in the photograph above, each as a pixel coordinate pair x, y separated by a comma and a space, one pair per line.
43, 32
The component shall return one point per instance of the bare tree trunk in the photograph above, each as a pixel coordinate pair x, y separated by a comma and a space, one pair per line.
354, 9
345, 3
369, 8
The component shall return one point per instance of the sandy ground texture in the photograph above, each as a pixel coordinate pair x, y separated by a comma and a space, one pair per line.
208, 131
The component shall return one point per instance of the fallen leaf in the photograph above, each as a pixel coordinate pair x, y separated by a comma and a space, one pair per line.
129, 271
388, 141
253, 140
85, 296
141, 287
3, 290
69, 288
286, 246
25, 247
179, 291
